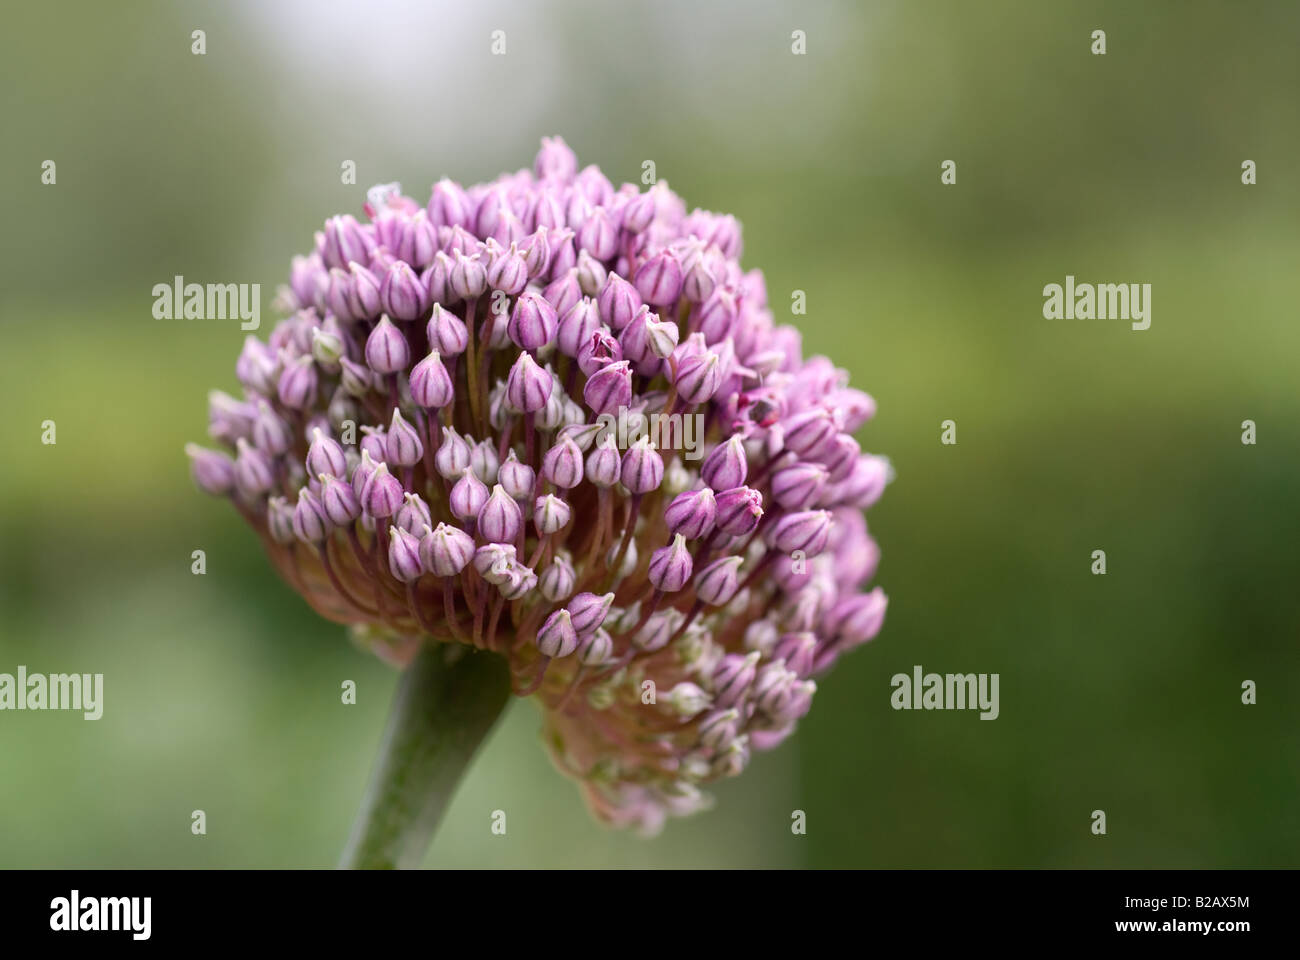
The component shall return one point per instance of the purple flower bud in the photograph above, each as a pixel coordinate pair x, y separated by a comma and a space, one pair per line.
726, 467
419, 241
338, 501
564, 254
558, 580
386, 348
657, 631
555, 161
557, 637
279, 520
552, 415
609, 388
528, 386
618, 302
327, 345
604, 463
517, 478
699, 377
297, 387
401, 295
839, 455
382, 494
372, 442
719, 728
413, 516
468, 495
446, 550
588, 611
562, 465
659, 279
635, 339
380, 261
449, 205
468, 277
596, 648
492, 560
797, 650
213, 471
580, 432
536, 247
805, 433
859, 618
576, 327
253, 475
598, 234
563, 292
661, 337
733, 676
508, 272
430, 383
692, 513
258, 366
499, 519
864, 484
339, 295
402, 444
453, 454
718, 316
483, 461
699, 282
365, 301
550, 514
365, 469
716, 584
639, 213
310, 525
739, 511
643, 468
598, 351
807, 531
774, 688
509, 229
356, 379
670, 566
446, 332
460, 240
686, 700
732, 760
798, 486
344, 240
269, 432
533, 322
591, 274
404, 555
437, 280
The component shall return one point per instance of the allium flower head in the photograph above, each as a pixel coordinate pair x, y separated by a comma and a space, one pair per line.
422, 450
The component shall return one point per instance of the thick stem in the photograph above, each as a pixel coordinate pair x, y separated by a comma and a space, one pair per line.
447, 700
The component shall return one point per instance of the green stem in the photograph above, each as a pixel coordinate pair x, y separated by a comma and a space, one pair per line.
447, 700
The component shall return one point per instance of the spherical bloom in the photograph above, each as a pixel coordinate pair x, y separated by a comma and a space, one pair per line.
435, 447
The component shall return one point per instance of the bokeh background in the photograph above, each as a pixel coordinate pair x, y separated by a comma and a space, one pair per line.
1119, 692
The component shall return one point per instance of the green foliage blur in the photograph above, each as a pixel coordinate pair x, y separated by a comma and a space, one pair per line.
1120, 693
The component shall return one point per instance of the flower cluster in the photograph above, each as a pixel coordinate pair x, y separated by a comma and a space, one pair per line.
420, 445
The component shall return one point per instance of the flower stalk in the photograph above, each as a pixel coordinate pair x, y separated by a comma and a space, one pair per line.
447, 701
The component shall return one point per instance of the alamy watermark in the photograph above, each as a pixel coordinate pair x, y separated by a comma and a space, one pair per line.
667, 431
214, 301
952, 691
55, 691
1102, 301
76, 913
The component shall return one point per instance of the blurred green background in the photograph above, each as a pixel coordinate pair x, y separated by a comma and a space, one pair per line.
1119, 693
